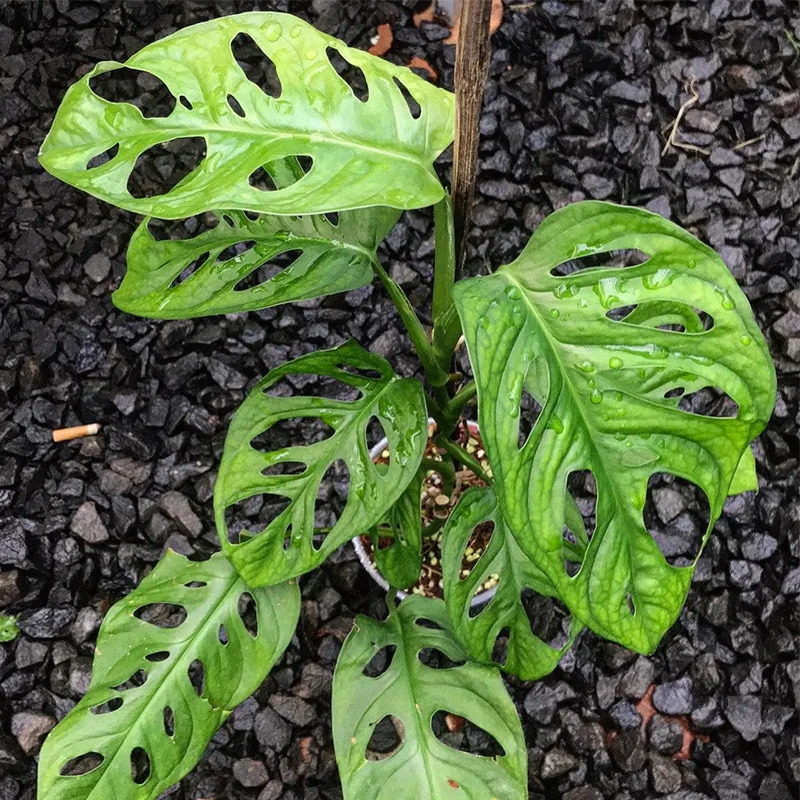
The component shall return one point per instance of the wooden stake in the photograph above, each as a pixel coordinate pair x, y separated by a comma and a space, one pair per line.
472, 66
78, 432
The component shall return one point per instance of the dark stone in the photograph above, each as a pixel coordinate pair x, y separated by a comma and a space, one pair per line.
665, 735
46, 623
271, 730
628, 750
86, 524
744, 713
557, 762
293, 709
674, 697
665, 776
250, 772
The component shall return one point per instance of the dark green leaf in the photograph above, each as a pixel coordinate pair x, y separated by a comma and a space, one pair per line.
411, 692
364, 153
286, 548
142, 706
527, 656
605, 408
330, 258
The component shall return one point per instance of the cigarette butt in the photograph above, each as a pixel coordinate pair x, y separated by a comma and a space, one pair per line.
78, 432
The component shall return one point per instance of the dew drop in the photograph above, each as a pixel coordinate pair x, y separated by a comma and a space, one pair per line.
564, 290
585, 366
483, 322
628, 444
310, 54
296, 31
746, 340
512, 292
556, 424
619, 397
554, 313
591, 384
619, 436
583, 303
725, 299
273, 32
596, 396
615, 363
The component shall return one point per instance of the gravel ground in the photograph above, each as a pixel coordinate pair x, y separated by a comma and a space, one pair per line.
579, 98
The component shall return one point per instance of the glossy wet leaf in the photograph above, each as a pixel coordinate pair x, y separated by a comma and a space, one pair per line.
141, 696
400, 561
605, 408
286, 547
330, 258
364, 153
412, 692
527, 656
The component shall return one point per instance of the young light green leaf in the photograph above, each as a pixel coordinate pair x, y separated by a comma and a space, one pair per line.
400, 563
606, 408
286, 547
527, 656
745, 478
411, 692
329, 258
173, 659
377, 151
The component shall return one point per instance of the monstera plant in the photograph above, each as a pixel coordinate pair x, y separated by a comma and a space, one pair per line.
584, 361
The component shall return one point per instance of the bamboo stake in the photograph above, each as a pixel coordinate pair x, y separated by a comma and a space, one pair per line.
472, 67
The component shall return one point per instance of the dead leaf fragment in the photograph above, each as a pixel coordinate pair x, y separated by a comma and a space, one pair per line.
421, 63
382, 43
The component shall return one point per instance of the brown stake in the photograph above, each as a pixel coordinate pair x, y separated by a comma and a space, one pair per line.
472, 67
78, 432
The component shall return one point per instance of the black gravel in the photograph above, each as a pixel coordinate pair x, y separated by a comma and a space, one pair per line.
579, 98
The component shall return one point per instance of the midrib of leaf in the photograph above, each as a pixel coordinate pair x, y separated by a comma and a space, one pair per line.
186, 644
591, 553
409, 655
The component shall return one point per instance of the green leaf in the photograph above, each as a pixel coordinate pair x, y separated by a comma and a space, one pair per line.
8, 628
332, 258
286, 548
142, 707
745, 478
527, 656
605, 407
400, 563
364, 153
412, 692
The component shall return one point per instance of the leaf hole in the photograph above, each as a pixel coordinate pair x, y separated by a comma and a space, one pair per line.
140, 765
222, 635
629, 602
160, 168
437, 659
284, 468
134, 682
361, 372
380, 662
580, 518
424, 622
247, 609
184, 101
353, 76
235, 106
477, 544
141, 89
332, 494
710, 401
311, 385
676, 514
594, 259
108, 707
103, 158
162, 615
290, 431
158, 656
619, 313
413, 106
375, 435
253, 515
236, 249
82, 765
500, 647
195, 585
530, 410
169, 721
282, 174
197, 676
190, 269
257, 66
332, 217
266, 270
460, 733
386, 739
677, 392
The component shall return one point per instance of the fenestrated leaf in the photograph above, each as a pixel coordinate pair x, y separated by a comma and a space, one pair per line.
412, 692
286, 547
365, 153
142, 705
400, 563
333, 258
605, 407
527, 656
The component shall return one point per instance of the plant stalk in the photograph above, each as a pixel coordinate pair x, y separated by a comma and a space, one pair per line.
472, 66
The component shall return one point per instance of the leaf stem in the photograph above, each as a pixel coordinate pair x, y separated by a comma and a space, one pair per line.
436, 376
446, 324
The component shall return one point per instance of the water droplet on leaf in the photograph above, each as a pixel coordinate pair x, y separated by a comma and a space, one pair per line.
615, 363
